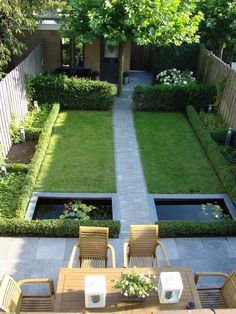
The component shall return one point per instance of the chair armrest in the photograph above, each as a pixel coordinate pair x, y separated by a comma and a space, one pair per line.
38, 280
113, 256
209, 274
125, 254
163, 251
72, 256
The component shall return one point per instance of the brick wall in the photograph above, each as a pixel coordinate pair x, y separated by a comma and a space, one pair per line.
92, 55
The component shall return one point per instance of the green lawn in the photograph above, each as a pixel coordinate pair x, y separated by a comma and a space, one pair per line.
80, 156
173, 159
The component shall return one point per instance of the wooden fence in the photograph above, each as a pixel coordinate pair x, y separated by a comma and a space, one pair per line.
213, 70
13, 94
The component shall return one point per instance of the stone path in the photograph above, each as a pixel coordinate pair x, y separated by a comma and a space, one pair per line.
130, 182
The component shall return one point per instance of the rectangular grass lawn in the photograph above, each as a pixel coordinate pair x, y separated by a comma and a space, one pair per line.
80, 155
173, 159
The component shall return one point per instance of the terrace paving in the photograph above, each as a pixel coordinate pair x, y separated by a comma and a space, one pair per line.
43, 257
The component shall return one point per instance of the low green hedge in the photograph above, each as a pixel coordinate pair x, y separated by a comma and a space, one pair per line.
71, 93
17, 167
54, 227
37, 160
172, 97
174, 229
211, 148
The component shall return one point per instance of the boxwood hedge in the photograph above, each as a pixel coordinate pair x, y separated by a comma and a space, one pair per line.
71, 93
211, 148
174, 229
37, 160
53, 228
173, 97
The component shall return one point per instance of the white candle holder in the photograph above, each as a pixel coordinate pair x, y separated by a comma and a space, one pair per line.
35, 104
22, 134
95, 291
170, 287
3, 170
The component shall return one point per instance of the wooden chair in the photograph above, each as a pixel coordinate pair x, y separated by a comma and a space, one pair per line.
218, 297
93, 248
141, 250
13, 301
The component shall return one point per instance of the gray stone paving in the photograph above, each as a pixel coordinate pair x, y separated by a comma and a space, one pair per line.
130, 182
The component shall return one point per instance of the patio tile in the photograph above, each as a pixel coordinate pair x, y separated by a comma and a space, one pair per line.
171, 248
69, 243
216, 247
51, 249
22, 248
232, 244
4, 247
190, 248
118, 246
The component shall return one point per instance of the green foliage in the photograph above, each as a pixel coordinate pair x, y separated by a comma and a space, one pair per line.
134, 284
75, 209
175, 77
71, 93
36, 162
173, 97
216, 126
218, 28
177, 229
211, 148
182, 57
17, 167
14, 129
53, 228
220, 86
11, 189
215, 211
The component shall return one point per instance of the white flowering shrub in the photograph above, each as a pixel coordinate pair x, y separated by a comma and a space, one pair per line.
175, 77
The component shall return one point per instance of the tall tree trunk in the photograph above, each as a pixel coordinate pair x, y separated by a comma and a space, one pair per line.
72, 52
219, 48
121, 67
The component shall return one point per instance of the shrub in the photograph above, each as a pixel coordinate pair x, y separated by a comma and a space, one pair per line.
172, 97
54, 227
71, 93
37, 160
175, 77
211, 148
174, 229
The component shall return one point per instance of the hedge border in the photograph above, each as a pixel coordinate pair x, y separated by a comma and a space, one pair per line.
53, 227
174, 229
220, 165
37, 160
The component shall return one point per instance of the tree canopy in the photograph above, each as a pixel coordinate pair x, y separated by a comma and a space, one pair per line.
158, 22
14, 15
218, 29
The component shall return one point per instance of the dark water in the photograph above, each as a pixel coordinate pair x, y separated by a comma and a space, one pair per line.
52, 208
191, 210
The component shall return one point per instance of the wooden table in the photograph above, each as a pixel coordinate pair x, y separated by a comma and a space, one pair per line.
70, 291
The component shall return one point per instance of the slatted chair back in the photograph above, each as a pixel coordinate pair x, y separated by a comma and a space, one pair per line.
10, 295
143, 240
93, 242
229, 290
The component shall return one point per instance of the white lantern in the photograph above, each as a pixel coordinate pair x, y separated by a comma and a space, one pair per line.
170, 287
95, 291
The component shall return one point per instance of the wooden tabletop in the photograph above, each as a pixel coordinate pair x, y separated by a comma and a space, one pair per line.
70, 291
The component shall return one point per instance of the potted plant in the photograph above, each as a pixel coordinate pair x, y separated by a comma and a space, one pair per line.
135, 286
95, 75
126, 78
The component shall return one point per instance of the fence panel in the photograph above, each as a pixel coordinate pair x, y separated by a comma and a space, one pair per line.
212, 70
13, 94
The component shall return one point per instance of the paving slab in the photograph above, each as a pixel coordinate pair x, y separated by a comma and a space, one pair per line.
53, 248
22, 248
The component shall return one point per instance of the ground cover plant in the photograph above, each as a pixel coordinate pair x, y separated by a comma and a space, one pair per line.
173, 159
80, 156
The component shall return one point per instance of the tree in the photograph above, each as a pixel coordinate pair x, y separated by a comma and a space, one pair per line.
159, 22
14, 15
219, 27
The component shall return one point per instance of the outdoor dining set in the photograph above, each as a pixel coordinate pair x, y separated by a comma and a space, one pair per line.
88, 282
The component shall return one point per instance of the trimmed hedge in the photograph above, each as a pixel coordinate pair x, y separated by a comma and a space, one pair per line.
211, 148
54, 227
17, 167
173, 97
174, 229
37, 160
71, 93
